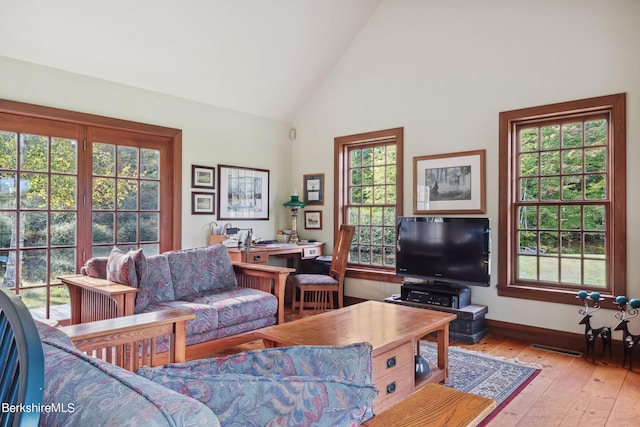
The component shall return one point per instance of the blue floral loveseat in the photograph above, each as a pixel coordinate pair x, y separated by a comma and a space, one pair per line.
227, 299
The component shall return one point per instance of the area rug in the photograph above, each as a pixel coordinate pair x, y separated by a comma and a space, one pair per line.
472, 372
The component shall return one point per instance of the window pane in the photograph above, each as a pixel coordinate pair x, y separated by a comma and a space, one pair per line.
595, 132
529, 165
572, 135
7, 230
571, 217
149, 227
572, 187
572, 161
33, 266
64, 155
8, 150
103, 193
127, 227
527, 267
549, 269
528, 217
595, 272
62, 263
34, 191
550, 163
127, 162
550, 188
549, 242
571, 270
549, 217
103, 229
149, 196
149, 163
34, 153
571, 244
8, 190
104, 159
529, 189
33, 229
550, 139
594, 217
529, 140
127, 194
596, 187
63, 192
596, 159
63, 228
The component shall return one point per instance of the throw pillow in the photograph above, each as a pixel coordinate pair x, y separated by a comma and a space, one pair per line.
121, 268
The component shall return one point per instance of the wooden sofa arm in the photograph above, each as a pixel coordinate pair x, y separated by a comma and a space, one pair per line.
266, 278
130, 342
98, 299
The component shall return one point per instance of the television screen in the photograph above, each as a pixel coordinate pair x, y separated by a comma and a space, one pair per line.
449, 250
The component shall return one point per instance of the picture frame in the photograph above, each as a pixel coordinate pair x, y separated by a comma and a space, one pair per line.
203, 177
243, 193
449, 183
313, 189
313, 220
203, 203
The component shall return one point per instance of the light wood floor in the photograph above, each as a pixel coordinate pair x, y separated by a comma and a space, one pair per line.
570, 391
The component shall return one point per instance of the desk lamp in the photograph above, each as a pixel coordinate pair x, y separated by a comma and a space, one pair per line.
295, 205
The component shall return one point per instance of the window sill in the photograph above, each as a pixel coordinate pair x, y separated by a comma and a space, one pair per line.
388, 276
560, 296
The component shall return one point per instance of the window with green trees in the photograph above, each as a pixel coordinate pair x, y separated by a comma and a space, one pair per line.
71, 187
369, 189
562, 199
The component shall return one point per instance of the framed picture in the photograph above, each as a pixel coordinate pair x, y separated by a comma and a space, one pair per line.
313, 189
243, 193
203, 203
449, 183
313, 220
203, 177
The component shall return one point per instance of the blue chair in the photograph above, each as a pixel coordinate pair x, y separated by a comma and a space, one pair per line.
21, 362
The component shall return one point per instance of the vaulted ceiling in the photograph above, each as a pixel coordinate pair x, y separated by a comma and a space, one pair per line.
264, 57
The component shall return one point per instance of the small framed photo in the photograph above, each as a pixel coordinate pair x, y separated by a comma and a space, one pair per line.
313, 220
203, 203
313, 189
203, 177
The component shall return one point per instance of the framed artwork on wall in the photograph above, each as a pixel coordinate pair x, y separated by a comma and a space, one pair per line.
449, 183
203, 203
203, 177
313, 220
243, 193
313, 189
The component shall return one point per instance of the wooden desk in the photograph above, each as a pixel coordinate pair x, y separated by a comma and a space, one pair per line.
260, 254
394, 332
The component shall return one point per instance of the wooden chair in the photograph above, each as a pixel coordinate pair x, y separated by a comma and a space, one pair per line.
316, 290
21, 361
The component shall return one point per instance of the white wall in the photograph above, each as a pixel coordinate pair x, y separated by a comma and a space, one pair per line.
210, 136
444, 69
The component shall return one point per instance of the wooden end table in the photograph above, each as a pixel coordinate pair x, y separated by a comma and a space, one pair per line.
394, 331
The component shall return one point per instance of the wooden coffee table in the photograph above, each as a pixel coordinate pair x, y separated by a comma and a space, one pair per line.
393, 330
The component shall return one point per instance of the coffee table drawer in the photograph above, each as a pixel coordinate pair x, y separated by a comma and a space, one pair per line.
393, 387
387, 362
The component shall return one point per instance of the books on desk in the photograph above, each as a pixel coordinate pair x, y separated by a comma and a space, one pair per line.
273, 245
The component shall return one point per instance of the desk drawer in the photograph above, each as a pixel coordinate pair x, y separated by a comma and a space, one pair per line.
393, 387
257, 257
311, 252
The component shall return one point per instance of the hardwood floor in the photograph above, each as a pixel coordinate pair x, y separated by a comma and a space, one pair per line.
570, 391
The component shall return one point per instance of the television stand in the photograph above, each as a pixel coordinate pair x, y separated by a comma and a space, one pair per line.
468, 328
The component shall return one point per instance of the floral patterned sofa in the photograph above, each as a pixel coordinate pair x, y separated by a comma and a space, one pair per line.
295, 386
202, 280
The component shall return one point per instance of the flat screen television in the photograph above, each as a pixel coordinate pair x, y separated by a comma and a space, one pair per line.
439, 250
